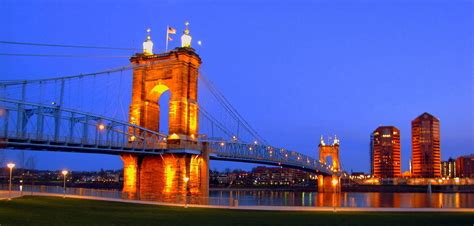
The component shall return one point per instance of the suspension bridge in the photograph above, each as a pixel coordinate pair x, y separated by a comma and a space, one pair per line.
88, 113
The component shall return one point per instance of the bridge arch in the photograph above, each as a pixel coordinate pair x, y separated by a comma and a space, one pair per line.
330, 155
158, 99
155, 93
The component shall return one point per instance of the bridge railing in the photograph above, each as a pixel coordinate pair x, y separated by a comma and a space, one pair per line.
38, 125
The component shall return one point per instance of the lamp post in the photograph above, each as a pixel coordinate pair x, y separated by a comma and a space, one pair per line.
10, 166
64, 172
186, 180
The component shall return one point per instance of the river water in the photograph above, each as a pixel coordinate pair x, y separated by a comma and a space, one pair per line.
348, 199
286, 198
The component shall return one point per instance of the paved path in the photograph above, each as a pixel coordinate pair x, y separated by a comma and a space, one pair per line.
262, 208
5, 194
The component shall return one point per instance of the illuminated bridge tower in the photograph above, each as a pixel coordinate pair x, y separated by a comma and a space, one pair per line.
329, 183
186, 170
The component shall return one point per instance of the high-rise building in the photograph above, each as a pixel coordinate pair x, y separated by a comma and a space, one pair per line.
371, 154
465, 166
448, 168
426, 151
386, 152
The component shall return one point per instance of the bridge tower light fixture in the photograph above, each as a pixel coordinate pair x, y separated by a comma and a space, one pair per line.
186, 38
148, 44
10, 166
336, 140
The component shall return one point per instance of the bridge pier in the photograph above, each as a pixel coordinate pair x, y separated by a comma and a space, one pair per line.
329, 184
130, 173
164, 176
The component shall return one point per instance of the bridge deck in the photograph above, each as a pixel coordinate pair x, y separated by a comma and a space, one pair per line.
31, 126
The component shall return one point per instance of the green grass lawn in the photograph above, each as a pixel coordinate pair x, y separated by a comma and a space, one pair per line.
58, 211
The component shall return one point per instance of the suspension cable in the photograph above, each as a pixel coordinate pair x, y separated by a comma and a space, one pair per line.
59, 55
66, 46
105, 72
226, 104
215, 121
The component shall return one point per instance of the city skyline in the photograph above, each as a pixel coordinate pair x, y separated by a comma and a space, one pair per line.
341, 81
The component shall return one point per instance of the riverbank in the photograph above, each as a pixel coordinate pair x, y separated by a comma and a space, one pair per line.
34, 210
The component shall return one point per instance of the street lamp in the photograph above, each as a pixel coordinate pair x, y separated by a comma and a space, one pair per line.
10, 165
186, 180
64, 172
101, 126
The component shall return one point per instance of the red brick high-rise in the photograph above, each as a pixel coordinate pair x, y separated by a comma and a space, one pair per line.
426, 150
386, 152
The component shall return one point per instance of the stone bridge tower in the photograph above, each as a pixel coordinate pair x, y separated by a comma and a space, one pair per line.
185, 171
329, 183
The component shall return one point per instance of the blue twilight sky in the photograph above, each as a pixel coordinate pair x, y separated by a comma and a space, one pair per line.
294, 69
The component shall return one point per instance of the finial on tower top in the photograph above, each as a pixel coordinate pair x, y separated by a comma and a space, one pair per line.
186, 38
148, 44
336, 140
321, 141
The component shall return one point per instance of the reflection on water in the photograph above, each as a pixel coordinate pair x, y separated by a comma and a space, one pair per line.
349, 199
280, 198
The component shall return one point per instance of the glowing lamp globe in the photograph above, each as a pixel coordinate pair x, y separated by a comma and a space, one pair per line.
11, 165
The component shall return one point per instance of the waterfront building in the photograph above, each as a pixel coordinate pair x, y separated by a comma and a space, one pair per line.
371, 154
386, 152
269, 176
426, 150
448, 168
262, 176
465, 166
